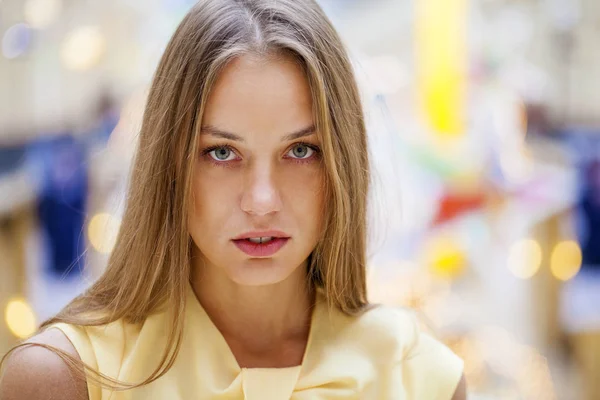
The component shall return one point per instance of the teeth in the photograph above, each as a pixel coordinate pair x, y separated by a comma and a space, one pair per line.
260, 239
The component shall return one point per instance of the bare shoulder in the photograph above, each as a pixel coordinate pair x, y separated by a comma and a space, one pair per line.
35, 373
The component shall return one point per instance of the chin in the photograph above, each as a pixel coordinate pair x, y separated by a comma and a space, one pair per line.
260, 272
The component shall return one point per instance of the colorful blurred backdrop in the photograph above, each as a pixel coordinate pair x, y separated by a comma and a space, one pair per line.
484, 131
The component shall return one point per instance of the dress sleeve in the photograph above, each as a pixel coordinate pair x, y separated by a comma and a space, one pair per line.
430, 370
81, 341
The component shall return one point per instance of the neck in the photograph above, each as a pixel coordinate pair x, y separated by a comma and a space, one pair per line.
256, 318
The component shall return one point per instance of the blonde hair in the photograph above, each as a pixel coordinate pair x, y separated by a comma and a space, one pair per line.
150, 264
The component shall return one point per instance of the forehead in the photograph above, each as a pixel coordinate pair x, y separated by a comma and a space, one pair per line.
258, 94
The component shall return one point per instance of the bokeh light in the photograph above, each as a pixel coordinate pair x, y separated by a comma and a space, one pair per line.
40, 14
441, 54
20, 318
565, 261
102, 232
446, 258
16, 40
525, 258
83, 48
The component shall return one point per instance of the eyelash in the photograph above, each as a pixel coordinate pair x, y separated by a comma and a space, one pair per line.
206, 152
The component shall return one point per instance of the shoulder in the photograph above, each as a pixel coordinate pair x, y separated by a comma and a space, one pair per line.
390, 327
401, 327
380, 334
34, 372
429, 368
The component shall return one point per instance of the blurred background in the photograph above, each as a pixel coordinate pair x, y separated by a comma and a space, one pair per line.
484, 127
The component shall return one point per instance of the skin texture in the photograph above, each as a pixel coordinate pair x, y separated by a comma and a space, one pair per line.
265, 181
35, 373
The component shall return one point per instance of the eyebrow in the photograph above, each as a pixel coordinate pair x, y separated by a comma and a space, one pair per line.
214, 131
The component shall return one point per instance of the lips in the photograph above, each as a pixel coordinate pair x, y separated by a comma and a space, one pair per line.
261, 249
257, 234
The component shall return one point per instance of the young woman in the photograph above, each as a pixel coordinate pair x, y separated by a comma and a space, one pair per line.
239, 270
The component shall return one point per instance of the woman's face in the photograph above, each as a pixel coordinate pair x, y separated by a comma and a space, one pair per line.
258, 173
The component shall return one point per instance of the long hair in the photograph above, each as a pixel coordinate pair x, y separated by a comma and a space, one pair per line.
150, 264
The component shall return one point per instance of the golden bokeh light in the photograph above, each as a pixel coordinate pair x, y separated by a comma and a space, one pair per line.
442, 63
525, 258
565, 261
83, 48
20, 318
102, 232
446, 258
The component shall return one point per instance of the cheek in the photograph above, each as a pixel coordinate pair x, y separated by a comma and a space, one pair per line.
303, 189
212, 197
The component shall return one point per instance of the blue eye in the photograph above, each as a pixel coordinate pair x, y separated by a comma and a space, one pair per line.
222, 154
301, 151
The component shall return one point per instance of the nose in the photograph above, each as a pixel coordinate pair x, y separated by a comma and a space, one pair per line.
260, 193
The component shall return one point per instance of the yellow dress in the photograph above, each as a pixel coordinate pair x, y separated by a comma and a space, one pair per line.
379, 355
